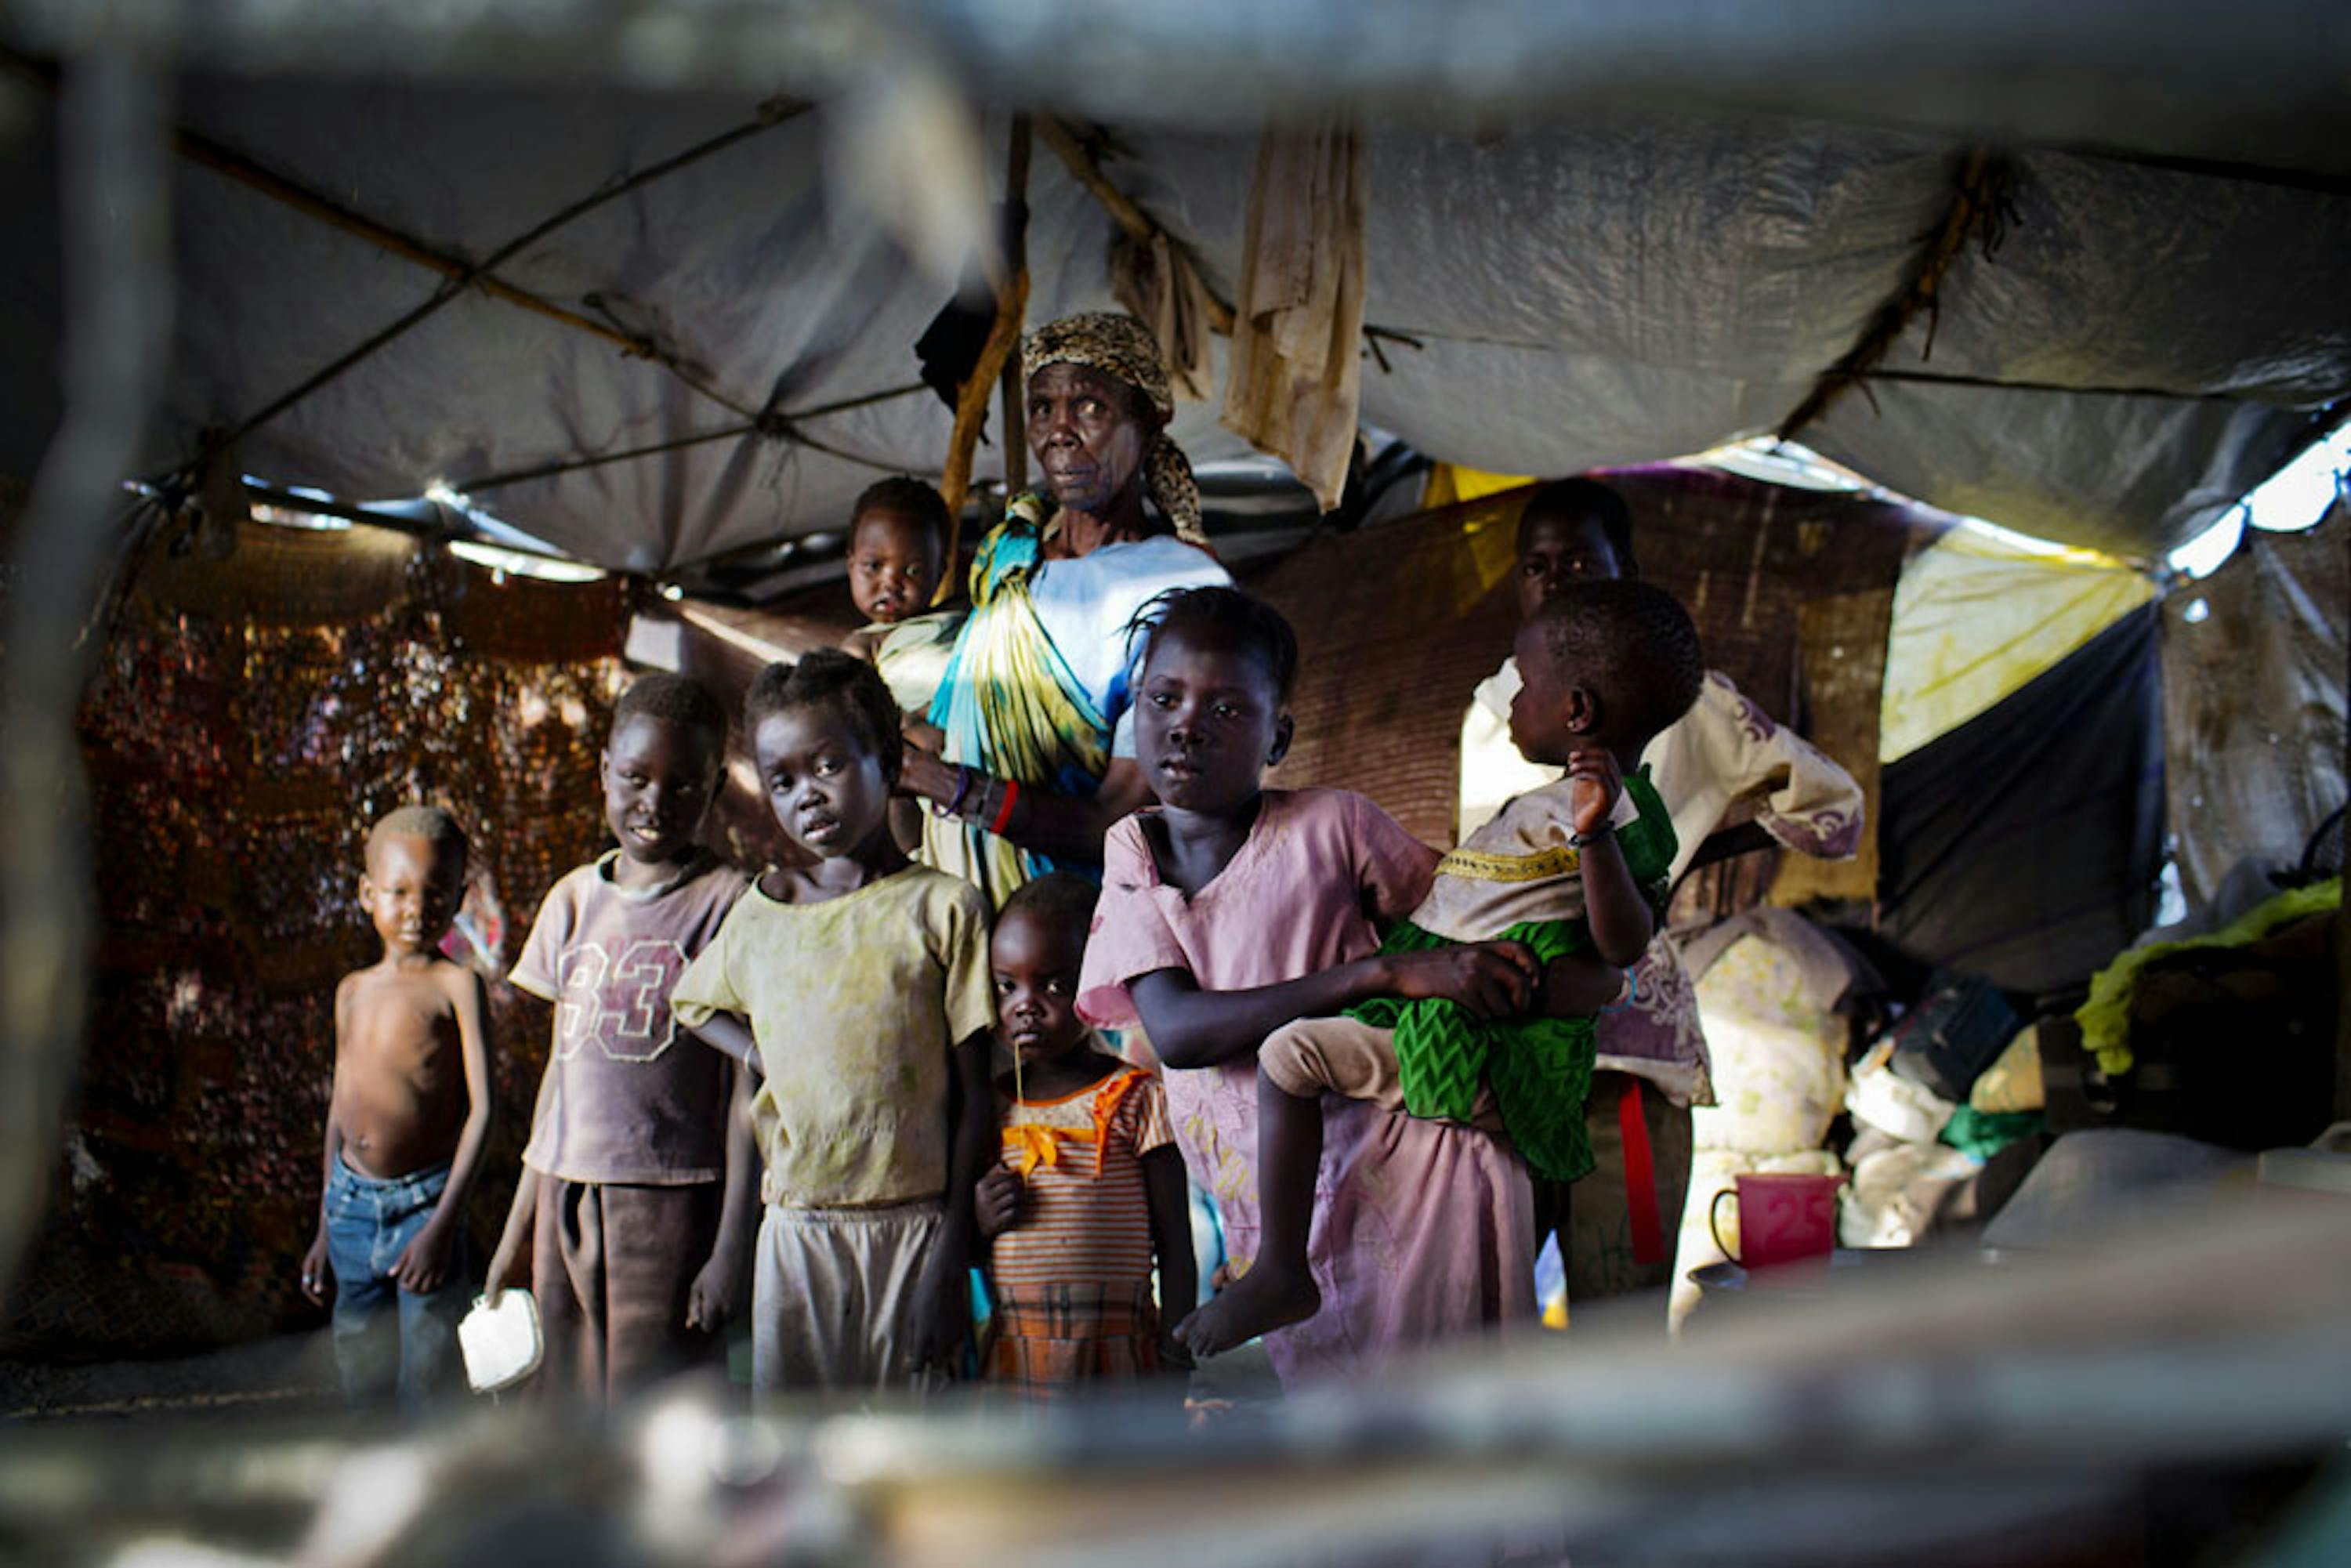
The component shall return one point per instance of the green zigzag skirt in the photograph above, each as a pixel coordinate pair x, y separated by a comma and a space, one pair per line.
1540, 1069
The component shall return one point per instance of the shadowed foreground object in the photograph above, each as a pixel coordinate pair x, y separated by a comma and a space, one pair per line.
2044, 1410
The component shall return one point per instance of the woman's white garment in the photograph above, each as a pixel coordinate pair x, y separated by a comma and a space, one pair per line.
1724, 752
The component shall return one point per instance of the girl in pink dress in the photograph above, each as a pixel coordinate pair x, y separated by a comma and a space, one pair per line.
1228, 910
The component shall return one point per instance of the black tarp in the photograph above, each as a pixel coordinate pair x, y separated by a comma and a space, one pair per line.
2025, 845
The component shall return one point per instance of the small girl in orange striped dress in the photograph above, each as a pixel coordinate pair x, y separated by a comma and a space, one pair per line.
1090, 1187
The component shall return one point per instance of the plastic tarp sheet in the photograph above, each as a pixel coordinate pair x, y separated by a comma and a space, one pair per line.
1605, 289
1976, 616
2254, 660
2023, 846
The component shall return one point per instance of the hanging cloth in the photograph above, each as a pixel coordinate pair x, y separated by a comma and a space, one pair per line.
1297, 328
1160, 287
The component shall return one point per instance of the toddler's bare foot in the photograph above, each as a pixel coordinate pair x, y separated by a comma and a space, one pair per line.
1266, 1298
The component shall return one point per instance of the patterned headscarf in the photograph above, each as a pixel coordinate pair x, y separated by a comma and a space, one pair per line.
1121, 346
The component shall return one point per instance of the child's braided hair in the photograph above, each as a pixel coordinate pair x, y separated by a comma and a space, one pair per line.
840, 684
1226, 616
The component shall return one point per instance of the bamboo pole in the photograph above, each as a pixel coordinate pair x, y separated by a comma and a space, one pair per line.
1013, 416
1139, 224
1011, 310
1978, 204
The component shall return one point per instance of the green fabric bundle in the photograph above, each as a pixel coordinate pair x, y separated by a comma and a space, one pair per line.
1539, 1068
2105, 1017
1979, 1135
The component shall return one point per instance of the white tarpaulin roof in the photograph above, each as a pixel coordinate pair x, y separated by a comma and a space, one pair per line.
2147, 340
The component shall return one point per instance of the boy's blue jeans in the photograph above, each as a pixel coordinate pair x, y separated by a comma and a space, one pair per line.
388, 1340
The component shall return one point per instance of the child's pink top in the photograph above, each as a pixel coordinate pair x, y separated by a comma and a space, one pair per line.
1422, 1229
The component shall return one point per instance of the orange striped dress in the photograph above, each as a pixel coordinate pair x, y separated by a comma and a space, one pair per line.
1073, 1278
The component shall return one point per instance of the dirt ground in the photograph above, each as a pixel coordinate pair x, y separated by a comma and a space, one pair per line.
295, 1372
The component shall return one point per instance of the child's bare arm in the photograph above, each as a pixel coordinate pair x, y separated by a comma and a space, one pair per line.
317, 1274
971, 1140
1189, 1027
724, 1032
716, 1288
423, 1263
1578, 985
1171, 1239
1612, 905
1034, 819
522, 1224
1614, 909
522, 1214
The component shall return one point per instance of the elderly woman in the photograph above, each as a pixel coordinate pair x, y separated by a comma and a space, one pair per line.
1037, 758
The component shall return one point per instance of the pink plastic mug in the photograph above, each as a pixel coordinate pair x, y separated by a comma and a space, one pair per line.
1781, 1219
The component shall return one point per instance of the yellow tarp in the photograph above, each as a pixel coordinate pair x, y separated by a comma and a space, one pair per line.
1448, 484
1977, 616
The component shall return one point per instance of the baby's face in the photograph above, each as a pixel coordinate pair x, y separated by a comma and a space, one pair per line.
828, 792
1544, 715
894, 565
411, 894
1036, 963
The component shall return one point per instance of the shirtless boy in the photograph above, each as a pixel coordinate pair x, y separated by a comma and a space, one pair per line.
405, 1129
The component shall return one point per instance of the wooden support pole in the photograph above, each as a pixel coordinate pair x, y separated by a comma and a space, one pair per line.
1003, 336
1979, 204
971, 399
1139, 224
1012, 419
1013, 405
1081, 163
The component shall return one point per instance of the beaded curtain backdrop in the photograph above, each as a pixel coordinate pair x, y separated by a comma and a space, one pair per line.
246, 720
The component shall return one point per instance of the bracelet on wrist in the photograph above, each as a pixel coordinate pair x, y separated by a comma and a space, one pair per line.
1627, 994
954, 803
1004, 812
1605, 830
